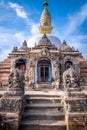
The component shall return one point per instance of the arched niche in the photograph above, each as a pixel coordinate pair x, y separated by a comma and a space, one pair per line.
68, 63
74, 62
69, 60
20, 63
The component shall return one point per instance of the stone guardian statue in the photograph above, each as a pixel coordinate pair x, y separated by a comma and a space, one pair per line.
70, 78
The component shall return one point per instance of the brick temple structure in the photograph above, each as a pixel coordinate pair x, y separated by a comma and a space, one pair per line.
44, 87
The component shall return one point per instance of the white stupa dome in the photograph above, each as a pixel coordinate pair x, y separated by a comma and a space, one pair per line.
35, 40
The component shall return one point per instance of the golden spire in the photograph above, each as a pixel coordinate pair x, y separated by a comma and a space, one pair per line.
45, 20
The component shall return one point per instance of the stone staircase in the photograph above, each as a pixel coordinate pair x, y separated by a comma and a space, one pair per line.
43, 111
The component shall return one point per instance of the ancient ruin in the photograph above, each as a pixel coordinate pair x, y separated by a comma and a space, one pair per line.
44, 87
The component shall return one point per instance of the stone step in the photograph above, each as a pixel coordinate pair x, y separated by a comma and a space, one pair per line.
43, 106
47, 110
43, 100
43, 125
44, 87
42, 95
43, 116
39, 88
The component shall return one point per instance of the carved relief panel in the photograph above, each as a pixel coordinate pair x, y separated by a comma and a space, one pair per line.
31, 72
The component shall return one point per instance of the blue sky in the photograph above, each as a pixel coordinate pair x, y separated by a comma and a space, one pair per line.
19, 21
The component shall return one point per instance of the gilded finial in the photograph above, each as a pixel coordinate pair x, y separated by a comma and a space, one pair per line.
45, 3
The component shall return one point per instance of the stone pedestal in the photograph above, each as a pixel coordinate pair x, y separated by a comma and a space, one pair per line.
75, 103
11, 108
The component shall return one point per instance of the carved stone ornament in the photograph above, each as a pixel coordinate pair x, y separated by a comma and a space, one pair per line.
45, 52
11, 105
70, 78
32, 63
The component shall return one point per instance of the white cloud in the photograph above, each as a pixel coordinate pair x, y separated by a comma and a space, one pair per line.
76, 20
78, 41
10, 38
70, 32
35, 35
19, 10
35, 29
20, 36
4, 54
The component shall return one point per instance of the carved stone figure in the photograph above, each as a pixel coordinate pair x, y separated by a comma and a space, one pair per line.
16, 78
70, 78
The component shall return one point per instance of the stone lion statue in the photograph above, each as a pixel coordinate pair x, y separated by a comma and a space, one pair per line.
70, 78
16, 78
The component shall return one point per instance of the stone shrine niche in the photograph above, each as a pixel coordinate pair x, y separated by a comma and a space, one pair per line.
68, 63
71, 60
21, 64
68, 60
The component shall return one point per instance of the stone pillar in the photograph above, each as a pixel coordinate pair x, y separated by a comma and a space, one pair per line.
56, 82
31, 73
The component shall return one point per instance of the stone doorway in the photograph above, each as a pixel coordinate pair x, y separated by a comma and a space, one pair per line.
44, 71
